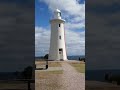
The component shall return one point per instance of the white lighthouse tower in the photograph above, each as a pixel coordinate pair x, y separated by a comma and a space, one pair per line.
57, 49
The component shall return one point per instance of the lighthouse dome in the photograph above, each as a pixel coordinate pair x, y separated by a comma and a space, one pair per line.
57, 10
57, 14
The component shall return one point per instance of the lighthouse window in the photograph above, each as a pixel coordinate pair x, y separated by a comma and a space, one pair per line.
59, 37
60, 49
60, 14
59, 25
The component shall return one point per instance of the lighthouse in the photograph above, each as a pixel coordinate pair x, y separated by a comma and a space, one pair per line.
57, 49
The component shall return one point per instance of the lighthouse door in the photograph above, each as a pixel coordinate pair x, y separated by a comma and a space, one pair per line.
61, 54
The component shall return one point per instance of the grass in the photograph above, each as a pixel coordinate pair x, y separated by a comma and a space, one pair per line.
54, 64
50, 63
13, 85
80, 67
47, 74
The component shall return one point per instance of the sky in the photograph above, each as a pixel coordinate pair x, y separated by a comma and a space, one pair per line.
73, 11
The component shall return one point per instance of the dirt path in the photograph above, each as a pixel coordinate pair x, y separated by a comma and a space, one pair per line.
71, 79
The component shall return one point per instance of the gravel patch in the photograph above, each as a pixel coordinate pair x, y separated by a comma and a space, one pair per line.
71, 79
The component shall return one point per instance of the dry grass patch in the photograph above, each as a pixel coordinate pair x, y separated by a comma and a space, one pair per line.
47, 74
40, 62
50, 63
54, 64
79, 66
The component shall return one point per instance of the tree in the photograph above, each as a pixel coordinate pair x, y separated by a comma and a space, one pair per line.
83, 59
46, 56
27, 73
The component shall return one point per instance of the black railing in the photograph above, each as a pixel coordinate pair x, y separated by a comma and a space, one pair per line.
43, 62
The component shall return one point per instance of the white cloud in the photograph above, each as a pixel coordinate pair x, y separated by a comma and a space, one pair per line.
74, 26
74, 41
42, 40
72, 7
72, 10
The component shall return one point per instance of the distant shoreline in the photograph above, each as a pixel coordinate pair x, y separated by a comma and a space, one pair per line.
76, 57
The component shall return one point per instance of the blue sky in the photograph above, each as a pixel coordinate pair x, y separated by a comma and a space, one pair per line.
73, 11
42, 14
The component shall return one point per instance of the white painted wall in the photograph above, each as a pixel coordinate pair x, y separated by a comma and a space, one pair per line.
55, 42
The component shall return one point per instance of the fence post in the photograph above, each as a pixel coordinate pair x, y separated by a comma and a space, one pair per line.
29, 85
46, 63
